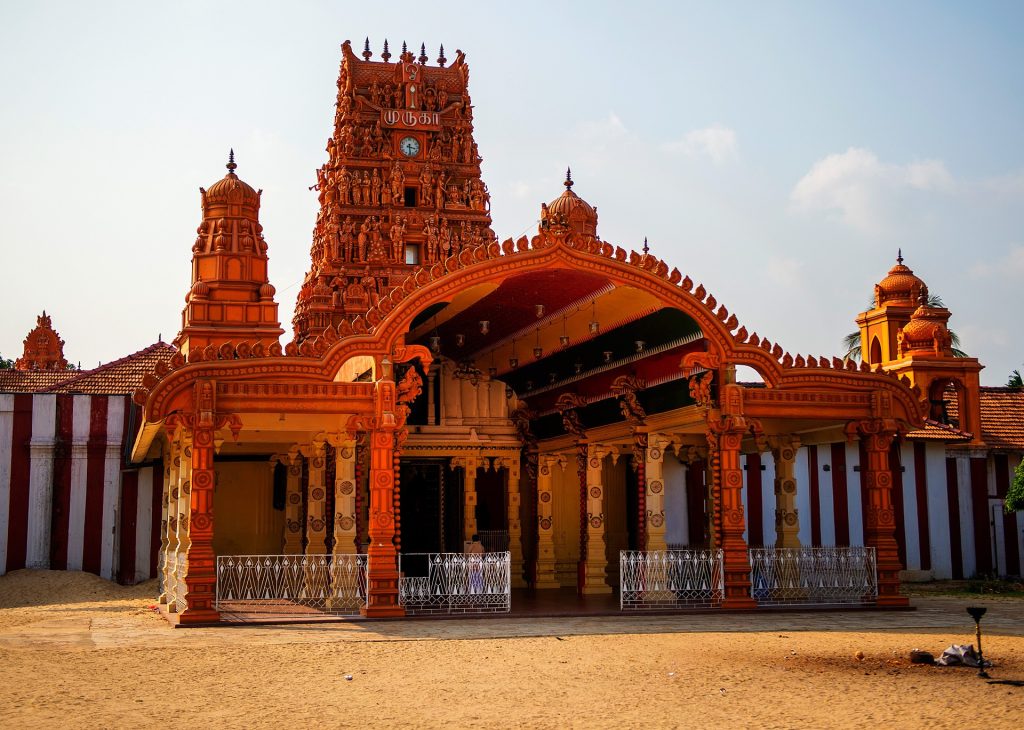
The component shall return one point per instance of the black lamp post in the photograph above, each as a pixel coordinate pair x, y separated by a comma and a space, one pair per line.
976, 612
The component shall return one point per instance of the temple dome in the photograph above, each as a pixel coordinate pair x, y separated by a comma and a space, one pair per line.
927, 331
570, 210
900, 286
230, 188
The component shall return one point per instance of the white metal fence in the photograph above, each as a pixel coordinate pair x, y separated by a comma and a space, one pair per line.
666, 579
494, 541
813, 575
455, 583
333, 584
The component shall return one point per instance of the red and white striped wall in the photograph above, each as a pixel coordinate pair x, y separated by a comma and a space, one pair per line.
949, 510
66, 502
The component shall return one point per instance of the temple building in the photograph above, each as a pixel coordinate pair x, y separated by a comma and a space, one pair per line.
570, 406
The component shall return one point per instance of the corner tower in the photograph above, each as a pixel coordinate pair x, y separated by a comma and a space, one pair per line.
906, 334
231, 299
401, 187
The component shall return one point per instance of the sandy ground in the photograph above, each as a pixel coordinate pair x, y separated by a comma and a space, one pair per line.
76, 650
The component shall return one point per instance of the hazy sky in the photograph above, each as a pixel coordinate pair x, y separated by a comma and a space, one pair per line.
779, 153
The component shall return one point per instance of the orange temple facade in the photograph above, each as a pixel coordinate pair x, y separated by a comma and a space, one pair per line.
441, 385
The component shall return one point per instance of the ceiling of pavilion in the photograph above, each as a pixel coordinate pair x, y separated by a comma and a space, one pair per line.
535, 332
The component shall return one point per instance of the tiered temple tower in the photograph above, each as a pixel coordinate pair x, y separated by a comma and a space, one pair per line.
231, 300
401, 187
44, 349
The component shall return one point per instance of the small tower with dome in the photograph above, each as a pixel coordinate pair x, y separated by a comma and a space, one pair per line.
231, 298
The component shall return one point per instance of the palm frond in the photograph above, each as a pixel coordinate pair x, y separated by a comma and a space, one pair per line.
851, 343
1015, 381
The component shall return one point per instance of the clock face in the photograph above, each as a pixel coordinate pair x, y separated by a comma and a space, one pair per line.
410, 146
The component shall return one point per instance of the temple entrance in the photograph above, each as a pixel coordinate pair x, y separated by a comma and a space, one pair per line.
491, 512
431, 506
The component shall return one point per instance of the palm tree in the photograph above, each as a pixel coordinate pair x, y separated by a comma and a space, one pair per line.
1015, 381
851, 343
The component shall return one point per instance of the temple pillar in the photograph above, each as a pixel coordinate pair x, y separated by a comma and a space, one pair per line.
595, 569
316, 500
292, 541
169, 522
469, 465
515, 530
201, 563
876, 437
182, 510
655, 491
725, 435
787, 518
545, 571
382, 573
431, 408
345, 497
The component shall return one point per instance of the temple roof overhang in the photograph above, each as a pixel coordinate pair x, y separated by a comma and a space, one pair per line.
541, 294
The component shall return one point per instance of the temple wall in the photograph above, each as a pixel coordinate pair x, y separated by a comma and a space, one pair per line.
566, 519
616, 514
245, 491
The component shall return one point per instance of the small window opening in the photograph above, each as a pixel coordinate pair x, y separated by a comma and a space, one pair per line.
412, 254
410, 197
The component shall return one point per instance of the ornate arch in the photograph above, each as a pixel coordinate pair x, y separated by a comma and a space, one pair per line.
381, 331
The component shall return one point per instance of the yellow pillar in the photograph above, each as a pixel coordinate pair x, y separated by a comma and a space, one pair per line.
657, 443
183, 509
545, 577
292, 540
595, 579
515, 530
169, 522
469, 465
787, 520
344, 497
316, 504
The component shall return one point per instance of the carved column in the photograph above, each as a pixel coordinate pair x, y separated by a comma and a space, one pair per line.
316, 500
595, 570
182, 510
382, 575
725, 434
169, 521
545, 571
200, 572
431, 408
345, 497
655, 493
469, 465
880, 521
515, 531
787, 518
292, 544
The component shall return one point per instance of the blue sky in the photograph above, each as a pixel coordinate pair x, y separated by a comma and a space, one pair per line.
779, 153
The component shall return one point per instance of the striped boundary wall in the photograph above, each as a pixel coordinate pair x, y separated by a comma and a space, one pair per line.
949, 509
67, 502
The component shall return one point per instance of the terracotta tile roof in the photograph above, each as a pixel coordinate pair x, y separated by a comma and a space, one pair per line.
32, 381
119, 377
935, 431
1002, 418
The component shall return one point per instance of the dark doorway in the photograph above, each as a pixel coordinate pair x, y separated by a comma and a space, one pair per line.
633, 506
490, 499
431, 507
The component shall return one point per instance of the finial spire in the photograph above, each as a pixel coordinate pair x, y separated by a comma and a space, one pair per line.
387, 54
568, 177
405, 48
899, 255
366, 49
423, 54
231, 162
646, 247
441, 60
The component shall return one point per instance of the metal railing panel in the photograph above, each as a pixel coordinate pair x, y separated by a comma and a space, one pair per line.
820, 576
452, 583
667, 579
334, 584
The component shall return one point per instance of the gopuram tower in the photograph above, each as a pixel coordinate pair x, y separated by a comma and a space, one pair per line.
401, 187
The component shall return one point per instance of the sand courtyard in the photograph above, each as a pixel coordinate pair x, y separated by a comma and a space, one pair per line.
77, 649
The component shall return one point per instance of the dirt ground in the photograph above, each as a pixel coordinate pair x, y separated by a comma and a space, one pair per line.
77, 650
